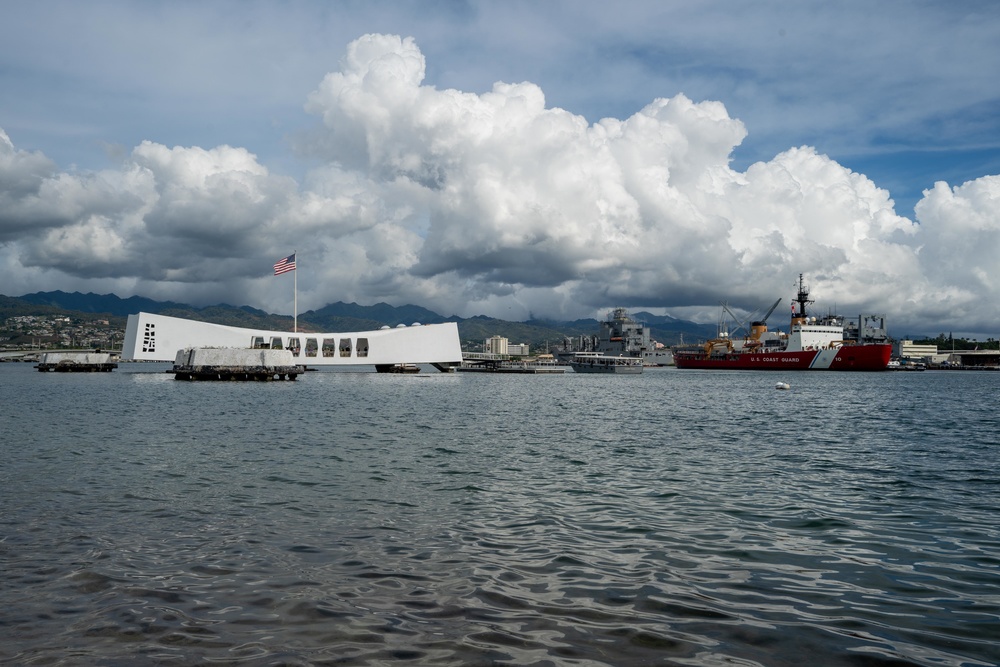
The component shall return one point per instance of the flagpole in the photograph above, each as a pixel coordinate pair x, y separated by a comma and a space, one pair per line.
295, 295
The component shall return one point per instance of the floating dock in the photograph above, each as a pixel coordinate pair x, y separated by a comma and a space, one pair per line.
77, 362
397, 368
235, 364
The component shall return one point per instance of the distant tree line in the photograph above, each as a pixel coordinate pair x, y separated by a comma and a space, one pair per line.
949, 342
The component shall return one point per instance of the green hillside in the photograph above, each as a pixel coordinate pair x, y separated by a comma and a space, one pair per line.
538, 333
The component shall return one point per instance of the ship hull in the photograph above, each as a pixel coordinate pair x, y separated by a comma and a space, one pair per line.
845, 358
618, 370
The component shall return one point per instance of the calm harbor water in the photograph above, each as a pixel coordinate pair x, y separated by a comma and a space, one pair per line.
349, 518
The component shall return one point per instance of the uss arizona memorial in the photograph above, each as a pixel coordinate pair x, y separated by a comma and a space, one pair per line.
150, 337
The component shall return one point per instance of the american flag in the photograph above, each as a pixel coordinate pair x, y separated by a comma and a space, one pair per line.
285, 265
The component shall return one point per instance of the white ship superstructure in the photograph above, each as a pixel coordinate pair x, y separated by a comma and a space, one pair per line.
150, 337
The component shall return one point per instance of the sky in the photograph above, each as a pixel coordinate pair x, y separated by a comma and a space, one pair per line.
513, 159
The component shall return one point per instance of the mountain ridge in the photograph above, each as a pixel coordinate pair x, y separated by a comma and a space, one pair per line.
341, 316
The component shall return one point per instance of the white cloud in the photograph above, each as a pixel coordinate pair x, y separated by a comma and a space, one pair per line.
497, 203
23, 207
644, 210
960, 244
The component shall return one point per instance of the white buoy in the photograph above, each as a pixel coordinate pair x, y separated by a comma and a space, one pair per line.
782, 385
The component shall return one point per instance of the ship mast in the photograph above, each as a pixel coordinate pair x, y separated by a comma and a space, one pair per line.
802, 298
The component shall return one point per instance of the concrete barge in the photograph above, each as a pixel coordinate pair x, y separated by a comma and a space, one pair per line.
235, 364
76, 362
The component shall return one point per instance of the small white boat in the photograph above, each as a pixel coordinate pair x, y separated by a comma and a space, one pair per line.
782, 385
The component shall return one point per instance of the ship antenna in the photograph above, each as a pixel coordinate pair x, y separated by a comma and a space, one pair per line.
803, 297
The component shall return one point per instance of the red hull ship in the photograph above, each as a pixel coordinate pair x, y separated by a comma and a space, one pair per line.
830, 344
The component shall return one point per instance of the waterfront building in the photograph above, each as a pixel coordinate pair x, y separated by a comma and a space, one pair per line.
496, 345
907, 349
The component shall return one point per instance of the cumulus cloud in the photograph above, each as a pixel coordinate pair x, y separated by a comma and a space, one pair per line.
24, 202
496, 203
959, 250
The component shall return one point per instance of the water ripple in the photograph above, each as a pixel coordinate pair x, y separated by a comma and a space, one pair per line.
361, 519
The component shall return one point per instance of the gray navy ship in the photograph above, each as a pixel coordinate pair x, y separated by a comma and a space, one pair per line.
620, 335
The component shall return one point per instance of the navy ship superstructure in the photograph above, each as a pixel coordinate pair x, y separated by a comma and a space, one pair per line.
620, 335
